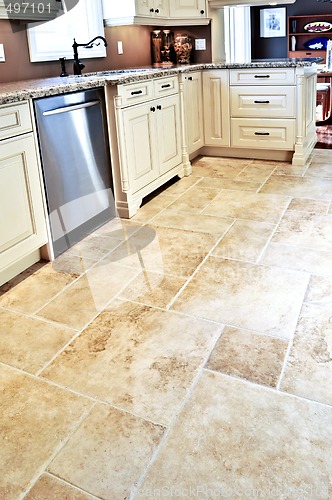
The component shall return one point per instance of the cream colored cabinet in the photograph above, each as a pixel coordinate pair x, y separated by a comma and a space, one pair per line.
148, 150
23, 10
22, 219
193, 95
216, 107
187, 8
152, 8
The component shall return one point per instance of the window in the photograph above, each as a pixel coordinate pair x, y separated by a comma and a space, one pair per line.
237, 34
54, 39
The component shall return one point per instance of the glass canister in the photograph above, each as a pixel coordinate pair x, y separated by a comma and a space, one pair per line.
156, 46
167, 45
183, 48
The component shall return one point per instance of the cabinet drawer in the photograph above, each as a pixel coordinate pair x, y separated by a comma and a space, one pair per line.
262, 76
261, 133
15, 119
133, 93
166, 86
278, 102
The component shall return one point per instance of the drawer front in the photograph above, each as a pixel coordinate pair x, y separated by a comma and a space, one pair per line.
278, 102
262, 76
260, 133
134, 93
15, 119
166, 86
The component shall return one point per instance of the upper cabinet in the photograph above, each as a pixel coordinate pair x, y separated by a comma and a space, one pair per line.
152, 12
223, 3
32, 11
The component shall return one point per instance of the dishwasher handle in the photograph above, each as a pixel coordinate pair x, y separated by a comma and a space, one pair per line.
73, 107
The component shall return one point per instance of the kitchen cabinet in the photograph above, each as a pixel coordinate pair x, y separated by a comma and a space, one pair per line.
33, 11
304, 30
22, 218
216, 107
152, 12
193, 95
148, 149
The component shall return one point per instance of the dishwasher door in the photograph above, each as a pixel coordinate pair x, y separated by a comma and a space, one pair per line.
74, 148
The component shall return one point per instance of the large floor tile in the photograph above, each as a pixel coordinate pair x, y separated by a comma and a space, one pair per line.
308, 205
80, 302
319, 290
260, 298
320, 168
299, 187
164, 250
309, 369
95, 246
51, 488
237, 184
249, 355
289, 169
171, 217
176, 187
245, 240
137, 358
28, 343
244, 205
195, 199
152, 207
239, 439
36, 290
120, 229
35, 419
108, 453
256, 172
227, 168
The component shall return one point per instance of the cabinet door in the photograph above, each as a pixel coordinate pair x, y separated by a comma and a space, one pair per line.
216, 108
140, 162
151, 8
194, 111
169, 133
22, 220
187, 8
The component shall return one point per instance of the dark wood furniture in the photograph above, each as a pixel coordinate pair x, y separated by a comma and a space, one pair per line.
324, 77
295, 28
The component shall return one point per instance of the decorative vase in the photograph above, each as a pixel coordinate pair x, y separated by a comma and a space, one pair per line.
156, 45
166, 51
294, 26
293, 42
182, 47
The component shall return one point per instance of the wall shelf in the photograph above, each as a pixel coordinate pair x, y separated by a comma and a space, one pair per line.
295, 28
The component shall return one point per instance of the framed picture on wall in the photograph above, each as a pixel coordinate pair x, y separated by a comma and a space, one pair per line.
273, 22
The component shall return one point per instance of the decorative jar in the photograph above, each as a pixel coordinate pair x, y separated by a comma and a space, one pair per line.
182, 47
156, 46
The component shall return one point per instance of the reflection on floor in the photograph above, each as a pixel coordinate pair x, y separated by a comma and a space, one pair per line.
186, 352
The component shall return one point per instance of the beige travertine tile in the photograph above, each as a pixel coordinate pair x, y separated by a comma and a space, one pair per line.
152, 207
289, 169
319, 290
22, 276
28, 343
256, 172
245, 240
271, 163
310, 260
244, 205
309, 369
260, 298
305, 230
249, 355
236, 184
120, 229
95, 246
299, 187
180, 186
80, 302
109, 470
226, 168
36, 290
239, 439
153, 249
72, 264
194, 200
319, 168
135, 357
153, 289
189, 221
35, 419
50, 488
307, 205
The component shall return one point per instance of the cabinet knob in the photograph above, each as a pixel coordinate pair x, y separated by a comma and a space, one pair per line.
190, 78
151, 10
202, 11
157, 11
153, 109
159, 107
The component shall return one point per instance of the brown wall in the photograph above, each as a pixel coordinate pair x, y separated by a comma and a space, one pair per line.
136, 48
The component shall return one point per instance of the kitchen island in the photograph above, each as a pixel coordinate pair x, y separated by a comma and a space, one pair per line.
158, 120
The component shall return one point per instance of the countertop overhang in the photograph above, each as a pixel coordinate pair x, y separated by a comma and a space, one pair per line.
31, 89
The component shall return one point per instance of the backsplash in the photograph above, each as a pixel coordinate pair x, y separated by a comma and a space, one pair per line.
136, 42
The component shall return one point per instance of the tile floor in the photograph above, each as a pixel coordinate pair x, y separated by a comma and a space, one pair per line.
184, 353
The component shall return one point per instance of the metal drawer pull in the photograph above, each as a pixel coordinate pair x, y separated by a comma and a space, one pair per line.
73, 107
166, 86
262, 76
262, 102
136, 92
262, 133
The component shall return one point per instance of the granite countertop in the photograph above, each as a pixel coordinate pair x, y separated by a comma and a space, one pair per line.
19, 91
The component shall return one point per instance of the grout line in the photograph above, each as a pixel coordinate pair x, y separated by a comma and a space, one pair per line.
73, 486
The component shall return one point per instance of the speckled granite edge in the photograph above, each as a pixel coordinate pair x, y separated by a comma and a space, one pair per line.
31, 89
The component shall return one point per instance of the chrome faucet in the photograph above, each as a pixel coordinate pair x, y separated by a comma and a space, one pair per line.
78, 65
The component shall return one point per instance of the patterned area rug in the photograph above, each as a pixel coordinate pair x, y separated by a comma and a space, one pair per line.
324, 137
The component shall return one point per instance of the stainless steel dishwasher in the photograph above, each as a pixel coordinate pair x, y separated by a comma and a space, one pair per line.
75, 155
